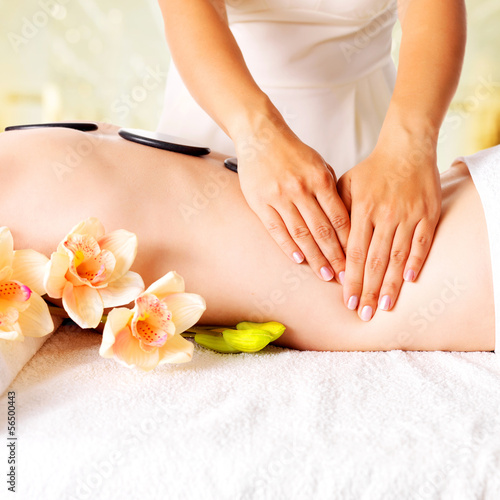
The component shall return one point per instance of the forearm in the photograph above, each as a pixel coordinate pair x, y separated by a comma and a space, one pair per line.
212, 66
430, 62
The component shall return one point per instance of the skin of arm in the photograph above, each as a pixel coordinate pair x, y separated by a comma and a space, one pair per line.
286, 183
394, 195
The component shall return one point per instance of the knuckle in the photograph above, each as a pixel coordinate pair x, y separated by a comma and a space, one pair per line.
356, 255
323, 232
339, 222
354, 285
389, 215
316, 260
422, 240
375, 264
298, 186
367, 209
417, 262
369, 296
323, 177
273, 190
390, 288
399, 256
274, 227
278, 234
300, 232
337, 261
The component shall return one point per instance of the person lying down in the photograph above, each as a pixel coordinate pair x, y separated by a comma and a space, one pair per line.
190, 216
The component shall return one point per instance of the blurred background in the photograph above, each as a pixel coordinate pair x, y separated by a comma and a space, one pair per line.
108, 60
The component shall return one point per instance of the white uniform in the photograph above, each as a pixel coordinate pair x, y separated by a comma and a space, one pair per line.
325, 64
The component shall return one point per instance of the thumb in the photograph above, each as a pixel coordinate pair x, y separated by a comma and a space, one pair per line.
344, 190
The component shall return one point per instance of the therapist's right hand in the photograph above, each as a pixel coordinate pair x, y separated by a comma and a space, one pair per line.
293, 191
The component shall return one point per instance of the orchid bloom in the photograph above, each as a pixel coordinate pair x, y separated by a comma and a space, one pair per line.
90, 271
150, 334
23, 312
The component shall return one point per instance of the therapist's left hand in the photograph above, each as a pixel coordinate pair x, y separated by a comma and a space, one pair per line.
394, 200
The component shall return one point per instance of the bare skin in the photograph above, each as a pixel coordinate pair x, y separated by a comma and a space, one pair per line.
190, 216
396, 204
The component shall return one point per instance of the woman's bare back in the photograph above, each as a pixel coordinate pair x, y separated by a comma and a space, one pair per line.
190, 216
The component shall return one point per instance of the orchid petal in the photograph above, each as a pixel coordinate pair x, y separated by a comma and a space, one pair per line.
128, 352
95, 270
81, 243
6, 273
118, 319
176, 350
8, 314
54, 280
29, 268
186, 308
247, 340
13, 333
123, 245
123, 290
152, 323
273, 327
214, 341
36, 321
91, 226
14, 291
170, 283
6, 247
14, 305
83, 304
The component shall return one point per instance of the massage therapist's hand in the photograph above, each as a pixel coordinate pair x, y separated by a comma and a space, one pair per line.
394, 199
293, 192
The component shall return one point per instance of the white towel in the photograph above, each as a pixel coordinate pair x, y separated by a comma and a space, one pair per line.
14, 355
278, 424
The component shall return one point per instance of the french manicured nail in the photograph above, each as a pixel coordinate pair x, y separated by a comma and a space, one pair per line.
341, 277
352, 303
409, 275
385, 303
326, 273
366, 313
298, 257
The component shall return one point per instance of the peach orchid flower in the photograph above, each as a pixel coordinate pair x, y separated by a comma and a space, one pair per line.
23, 312
90, 271
150, 334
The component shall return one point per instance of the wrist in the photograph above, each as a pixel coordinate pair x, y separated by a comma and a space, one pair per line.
412, 137
260, 117
406, 123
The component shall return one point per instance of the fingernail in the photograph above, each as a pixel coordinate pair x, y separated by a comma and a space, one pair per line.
366, 313
298, 257
385, 303
352, 303
409, 275
326, 273
341, 277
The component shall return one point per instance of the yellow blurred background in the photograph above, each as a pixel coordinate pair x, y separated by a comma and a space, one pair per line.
108, 60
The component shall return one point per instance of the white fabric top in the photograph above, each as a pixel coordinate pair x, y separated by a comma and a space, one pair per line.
326, 65
484, 168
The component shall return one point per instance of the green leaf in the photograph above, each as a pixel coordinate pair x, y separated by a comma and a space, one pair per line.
214, 341
247, 340
273, 327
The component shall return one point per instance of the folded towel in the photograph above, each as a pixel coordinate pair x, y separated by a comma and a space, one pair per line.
14, 355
